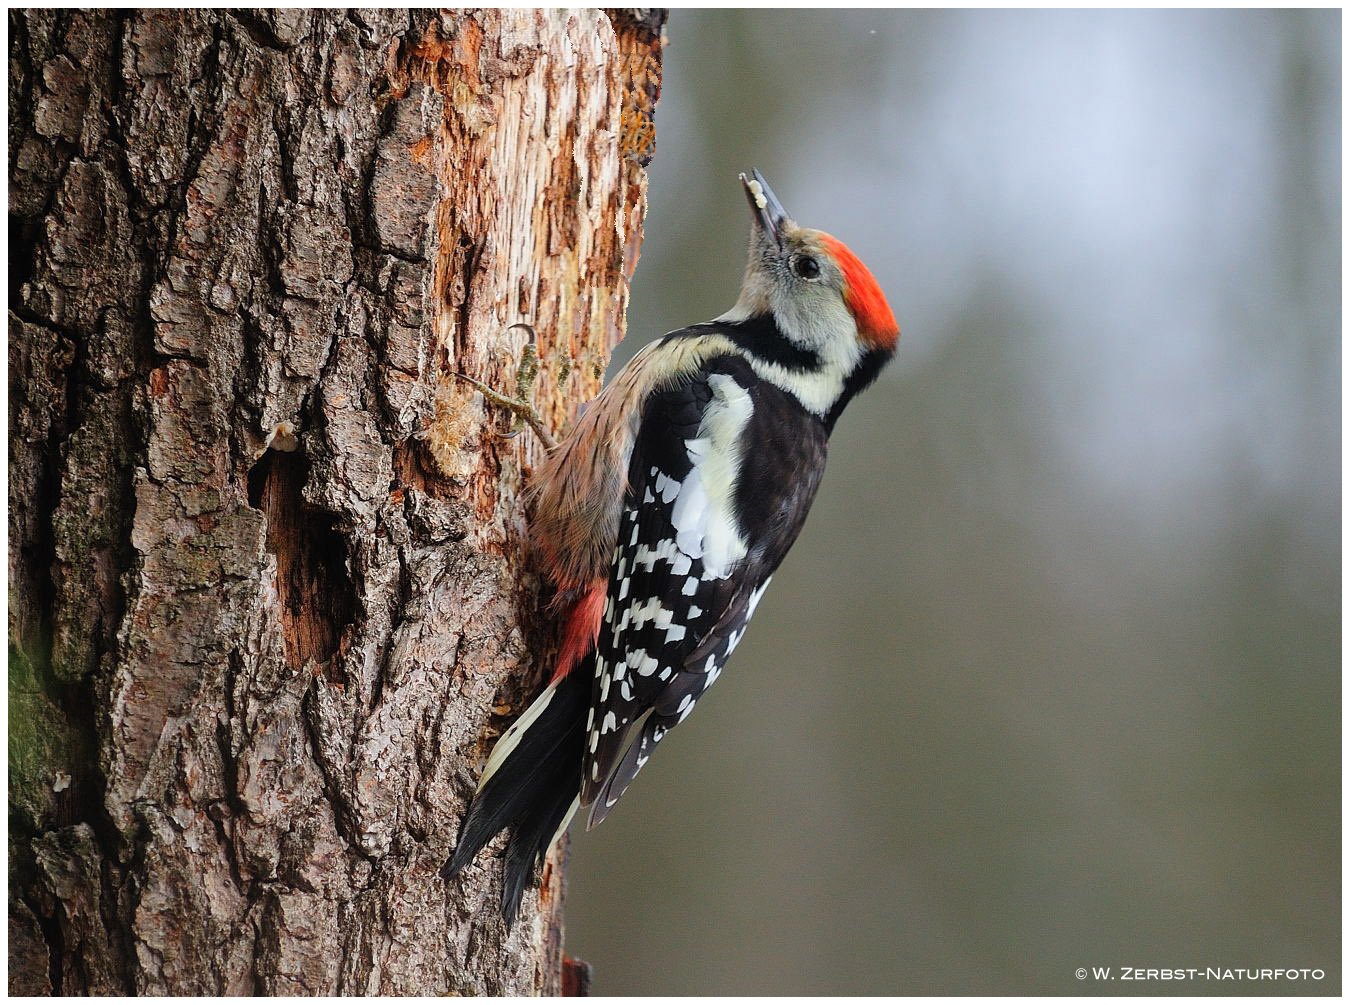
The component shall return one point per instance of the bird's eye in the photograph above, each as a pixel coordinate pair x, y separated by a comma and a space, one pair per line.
806, 267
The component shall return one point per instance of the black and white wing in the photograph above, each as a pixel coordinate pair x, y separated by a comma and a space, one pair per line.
704, 526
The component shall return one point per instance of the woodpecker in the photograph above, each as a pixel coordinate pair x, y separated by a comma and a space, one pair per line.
661, 517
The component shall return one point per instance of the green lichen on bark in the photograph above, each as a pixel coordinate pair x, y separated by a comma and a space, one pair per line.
43, 750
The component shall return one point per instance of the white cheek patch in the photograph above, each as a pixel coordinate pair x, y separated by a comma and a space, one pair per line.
828, 330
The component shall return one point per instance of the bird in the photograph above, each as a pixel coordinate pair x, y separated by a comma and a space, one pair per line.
661, 517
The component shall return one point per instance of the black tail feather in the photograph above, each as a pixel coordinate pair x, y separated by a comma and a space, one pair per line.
530, 792
531, 839
646, 733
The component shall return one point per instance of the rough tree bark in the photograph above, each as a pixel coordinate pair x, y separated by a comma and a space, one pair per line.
270, 599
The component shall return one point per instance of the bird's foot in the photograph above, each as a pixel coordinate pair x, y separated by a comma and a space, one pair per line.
519, 406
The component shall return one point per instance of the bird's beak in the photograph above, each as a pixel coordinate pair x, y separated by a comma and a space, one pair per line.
769, 212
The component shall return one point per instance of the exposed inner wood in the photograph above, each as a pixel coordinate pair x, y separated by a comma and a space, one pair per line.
314, 590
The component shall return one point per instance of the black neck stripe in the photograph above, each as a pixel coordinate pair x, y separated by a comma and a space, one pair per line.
863, 374
761, 338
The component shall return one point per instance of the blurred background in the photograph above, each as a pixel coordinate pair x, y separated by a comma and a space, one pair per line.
1052, 678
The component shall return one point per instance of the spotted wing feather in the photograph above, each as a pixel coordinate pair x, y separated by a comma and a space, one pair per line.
694, 554
657, 601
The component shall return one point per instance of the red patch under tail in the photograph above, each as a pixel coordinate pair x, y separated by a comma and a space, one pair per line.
582, 629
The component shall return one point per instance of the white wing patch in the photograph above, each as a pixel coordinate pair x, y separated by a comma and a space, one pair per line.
704, 515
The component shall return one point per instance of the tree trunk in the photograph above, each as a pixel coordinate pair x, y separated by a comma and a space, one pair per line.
269, 593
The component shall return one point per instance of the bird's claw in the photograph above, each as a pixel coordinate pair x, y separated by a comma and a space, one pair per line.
519, 406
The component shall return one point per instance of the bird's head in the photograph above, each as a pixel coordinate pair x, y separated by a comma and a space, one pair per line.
821, 296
